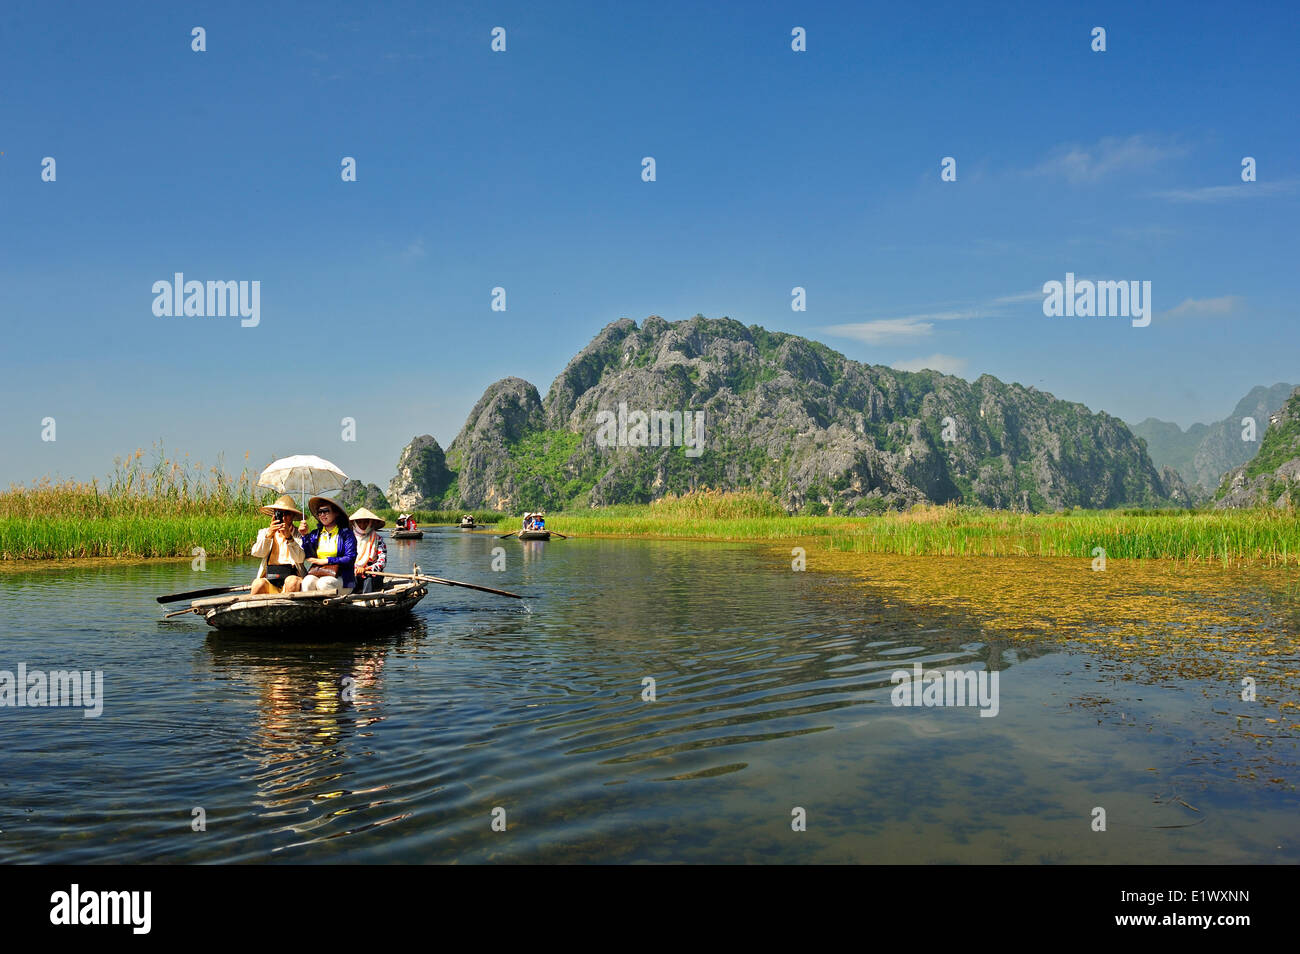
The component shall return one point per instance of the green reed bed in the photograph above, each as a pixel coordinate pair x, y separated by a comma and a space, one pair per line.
141, 511
61, 538
170, 509
1235, 536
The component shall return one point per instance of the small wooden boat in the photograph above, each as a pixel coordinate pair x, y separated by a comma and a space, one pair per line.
534, 534
467, 523
407, 534
351, 615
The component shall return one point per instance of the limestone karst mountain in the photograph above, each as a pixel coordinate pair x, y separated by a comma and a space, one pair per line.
1204, 453
665, 407
1270, 479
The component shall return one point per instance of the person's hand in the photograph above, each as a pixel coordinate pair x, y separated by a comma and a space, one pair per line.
302, 527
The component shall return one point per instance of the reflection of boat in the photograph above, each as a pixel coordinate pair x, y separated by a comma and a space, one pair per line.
534, 534
407, 534
289, 611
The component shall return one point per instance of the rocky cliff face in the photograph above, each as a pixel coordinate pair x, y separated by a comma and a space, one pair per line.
672, 406
483, 453
355, 495
422, 476
1272, 478
1205, 452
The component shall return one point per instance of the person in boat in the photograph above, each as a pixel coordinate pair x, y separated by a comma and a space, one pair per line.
280, 548
331, 549
372, 552
539, 521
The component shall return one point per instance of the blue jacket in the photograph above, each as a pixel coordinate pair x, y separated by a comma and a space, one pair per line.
347, 553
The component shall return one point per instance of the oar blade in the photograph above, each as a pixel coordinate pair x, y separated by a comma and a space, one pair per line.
196, 594
434, 579
472, 586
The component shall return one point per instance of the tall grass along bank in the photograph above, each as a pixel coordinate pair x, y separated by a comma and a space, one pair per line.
165, 509
169, 511
1225, 536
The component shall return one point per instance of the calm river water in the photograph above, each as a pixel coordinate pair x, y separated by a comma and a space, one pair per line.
772, 695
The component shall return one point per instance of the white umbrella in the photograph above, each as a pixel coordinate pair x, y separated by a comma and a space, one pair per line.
303, 474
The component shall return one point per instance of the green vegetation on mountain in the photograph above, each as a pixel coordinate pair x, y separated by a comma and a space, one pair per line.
1205, 452
1271, 476
782, 415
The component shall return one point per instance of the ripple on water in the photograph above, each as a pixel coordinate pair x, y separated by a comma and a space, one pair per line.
771, 690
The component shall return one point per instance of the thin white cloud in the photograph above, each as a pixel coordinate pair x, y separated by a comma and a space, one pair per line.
1225, 193
883, 331
413, 251
1211, 307
908, 327
1079, 163
1145, 233
943, 363
1019, 297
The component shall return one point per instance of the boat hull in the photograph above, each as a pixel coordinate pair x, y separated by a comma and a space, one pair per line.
345, 617
407, 534
534, 534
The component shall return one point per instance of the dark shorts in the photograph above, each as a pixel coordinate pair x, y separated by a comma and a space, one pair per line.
277, 573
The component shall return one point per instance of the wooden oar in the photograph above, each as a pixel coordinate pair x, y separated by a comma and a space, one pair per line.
195, 594
434, 579
556, 533
199, 606
510, 534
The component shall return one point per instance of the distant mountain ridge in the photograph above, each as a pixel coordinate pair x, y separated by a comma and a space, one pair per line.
782, 414
1205, 452
1273, 475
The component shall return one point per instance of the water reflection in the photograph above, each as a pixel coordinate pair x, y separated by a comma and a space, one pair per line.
316, 706
772, 689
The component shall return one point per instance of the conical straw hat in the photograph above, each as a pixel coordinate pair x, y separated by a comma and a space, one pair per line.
364, 514
284, 503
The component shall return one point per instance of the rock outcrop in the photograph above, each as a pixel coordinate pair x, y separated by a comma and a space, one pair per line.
483, 454
1204, 453
355, 495
787, 415
1272, 478
422, 476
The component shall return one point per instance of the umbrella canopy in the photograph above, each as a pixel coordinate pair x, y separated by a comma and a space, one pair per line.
303, 474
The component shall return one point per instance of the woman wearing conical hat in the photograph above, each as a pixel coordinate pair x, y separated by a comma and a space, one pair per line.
372, 552
280, 547
331, 549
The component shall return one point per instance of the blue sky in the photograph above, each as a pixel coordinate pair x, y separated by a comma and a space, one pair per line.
522, 169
